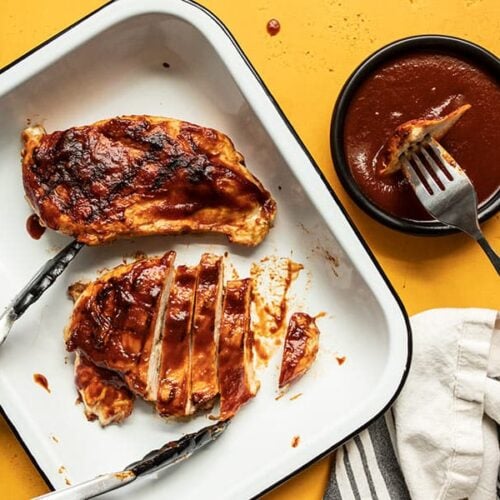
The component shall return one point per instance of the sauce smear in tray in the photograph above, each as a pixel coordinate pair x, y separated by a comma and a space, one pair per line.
423, 85
34, 228
41, 380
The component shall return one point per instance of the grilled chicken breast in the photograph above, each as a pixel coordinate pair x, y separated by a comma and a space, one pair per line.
104, 394
205, 332
236, 373
413, 132
174, 389
300, 349
142, 175
114, 321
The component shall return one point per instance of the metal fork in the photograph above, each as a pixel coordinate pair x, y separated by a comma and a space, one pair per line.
445, 191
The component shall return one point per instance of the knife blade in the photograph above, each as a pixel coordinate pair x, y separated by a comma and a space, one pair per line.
168, 455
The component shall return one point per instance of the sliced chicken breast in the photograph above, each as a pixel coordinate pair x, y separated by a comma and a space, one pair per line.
174, 386
205, 332
237, 380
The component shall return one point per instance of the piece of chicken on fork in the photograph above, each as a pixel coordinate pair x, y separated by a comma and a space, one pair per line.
413, 132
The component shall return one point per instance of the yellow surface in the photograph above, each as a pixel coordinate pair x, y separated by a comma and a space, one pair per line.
304, 66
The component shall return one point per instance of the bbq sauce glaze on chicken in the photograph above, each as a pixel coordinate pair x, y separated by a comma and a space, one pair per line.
152, 330
140, 175
236, 372
174, 379
205, 332
114, 322
300, 349
174, 336
423, 85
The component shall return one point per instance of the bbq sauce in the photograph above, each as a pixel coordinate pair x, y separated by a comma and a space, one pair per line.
34, 228
42, 381
423, 85
273, 27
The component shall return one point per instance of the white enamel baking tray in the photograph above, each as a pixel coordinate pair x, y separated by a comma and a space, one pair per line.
109, 64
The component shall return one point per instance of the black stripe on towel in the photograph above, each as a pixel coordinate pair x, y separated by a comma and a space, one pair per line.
368, 474
350, 475
386, 460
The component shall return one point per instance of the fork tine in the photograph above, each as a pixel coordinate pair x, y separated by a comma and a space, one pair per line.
445, 158
435, 167
433, 185
411, 175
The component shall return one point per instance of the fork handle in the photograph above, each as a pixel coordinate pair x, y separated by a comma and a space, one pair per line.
494, 259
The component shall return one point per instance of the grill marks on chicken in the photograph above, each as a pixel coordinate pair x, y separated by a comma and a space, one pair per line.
174, 391
141, 175
236, 372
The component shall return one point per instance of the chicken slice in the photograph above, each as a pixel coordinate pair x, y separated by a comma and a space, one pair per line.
205, 332
300, 348
174, 388
141, 175
114, 321
237, 380
413, 132
104, 394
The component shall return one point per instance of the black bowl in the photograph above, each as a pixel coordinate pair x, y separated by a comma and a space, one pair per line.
438, 43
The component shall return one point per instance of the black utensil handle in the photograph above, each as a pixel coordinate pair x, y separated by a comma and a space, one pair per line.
44, 278
175, 451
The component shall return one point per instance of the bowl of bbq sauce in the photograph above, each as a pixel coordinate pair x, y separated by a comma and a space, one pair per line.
421, 77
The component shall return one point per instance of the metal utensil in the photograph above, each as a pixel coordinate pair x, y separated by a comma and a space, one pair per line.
445, 191
42, 280
168, 455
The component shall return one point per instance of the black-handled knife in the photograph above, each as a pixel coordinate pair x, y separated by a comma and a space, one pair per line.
168, 455
42, 280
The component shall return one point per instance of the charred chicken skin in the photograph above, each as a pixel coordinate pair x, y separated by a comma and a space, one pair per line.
142, 175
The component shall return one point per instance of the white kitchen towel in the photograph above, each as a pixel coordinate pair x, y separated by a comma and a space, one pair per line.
439, 440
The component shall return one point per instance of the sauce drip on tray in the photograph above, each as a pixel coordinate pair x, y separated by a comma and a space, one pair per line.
42, 381
34, 228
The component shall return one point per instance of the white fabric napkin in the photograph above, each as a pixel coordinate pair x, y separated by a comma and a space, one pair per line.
439, 440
